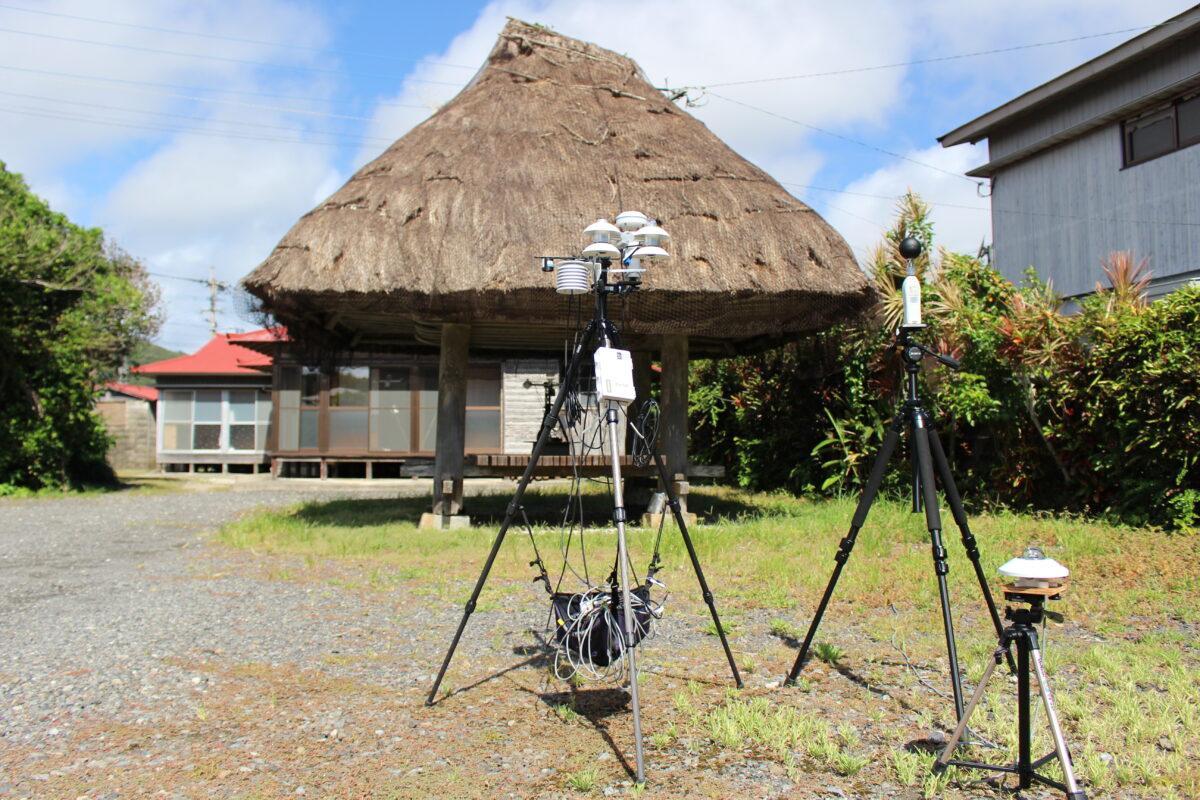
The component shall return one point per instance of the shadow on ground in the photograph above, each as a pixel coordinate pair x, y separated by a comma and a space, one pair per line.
541, 506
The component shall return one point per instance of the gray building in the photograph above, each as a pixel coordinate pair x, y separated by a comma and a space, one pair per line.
1100, 159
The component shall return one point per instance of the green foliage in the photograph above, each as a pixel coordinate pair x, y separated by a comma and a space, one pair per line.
71, 309
1097, 411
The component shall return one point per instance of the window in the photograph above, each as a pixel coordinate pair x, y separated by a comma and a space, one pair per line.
385, 409
217, 420
483, 408
1162, 131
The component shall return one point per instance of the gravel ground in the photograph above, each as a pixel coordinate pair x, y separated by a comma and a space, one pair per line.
142, 660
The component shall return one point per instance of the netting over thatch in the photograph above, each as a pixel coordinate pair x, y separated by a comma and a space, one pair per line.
552, 133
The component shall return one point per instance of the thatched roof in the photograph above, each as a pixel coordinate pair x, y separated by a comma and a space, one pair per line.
551, 134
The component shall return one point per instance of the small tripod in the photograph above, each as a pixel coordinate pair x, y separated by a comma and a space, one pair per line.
1022, 633
601, 329
926, 452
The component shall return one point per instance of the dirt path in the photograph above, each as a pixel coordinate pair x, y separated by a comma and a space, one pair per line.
142, 660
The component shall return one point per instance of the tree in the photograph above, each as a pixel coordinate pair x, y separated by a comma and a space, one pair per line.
72, 307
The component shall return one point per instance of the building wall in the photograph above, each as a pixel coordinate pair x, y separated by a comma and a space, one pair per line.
524, 408
1172, 66
132, 425
1065, 209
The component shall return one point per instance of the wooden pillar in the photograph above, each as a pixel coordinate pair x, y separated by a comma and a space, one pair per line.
642, 377
674, 398
451, 420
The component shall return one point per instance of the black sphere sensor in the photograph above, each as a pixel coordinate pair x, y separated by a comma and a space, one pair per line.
910, 247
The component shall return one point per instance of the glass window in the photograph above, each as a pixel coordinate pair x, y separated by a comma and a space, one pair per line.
177, 436
483, 429
206, 437
241, 406
177, 406
483, 385
349, 387
348, 429
310, 386
208, 406
391, 430
392, 388
308, 429
241, 437
1189, 121
427, 408
289, 429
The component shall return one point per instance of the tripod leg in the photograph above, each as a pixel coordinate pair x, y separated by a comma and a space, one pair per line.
673, 502
548, 424
874, 480
944, 759
933, 519
1060, 745
626, 603
960, 519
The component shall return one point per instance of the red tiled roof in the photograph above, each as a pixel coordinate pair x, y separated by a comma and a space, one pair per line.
219, 357
278, 333
144, 392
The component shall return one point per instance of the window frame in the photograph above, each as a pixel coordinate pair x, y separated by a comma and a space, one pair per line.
1169, 110
262, 424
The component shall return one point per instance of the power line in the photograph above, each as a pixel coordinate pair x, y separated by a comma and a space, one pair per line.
282, 45
1044, 214
106, 107
845, 138
90, 80
937, 59
224, 59
178, 129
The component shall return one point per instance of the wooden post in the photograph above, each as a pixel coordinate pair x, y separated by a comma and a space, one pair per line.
674, 394
451, 422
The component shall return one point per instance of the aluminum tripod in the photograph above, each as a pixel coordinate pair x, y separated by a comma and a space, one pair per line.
598, 329
1022, 633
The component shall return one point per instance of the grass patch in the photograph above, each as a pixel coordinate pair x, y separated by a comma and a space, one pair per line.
1125, 669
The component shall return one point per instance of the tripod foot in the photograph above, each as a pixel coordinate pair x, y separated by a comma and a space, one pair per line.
1077, 795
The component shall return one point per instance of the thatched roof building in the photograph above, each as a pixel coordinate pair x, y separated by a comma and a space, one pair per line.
434, 244
549, 135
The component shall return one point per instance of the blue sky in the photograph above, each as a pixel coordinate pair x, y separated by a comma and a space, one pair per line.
196, 132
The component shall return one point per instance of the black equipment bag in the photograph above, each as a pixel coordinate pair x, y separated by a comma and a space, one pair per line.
597, 640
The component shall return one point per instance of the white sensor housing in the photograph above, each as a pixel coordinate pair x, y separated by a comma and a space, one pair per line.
614, 375
911, 290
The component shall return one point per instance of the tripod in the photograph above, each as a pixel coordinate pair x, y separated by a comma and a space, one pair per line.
927, 453
1022, 633
600, 329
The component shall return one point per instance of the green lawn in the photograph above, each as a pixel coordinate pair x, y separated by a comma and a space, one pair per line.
1125, 668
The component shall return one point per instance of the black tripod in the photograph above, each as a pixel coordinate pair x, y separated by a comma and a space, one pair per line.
1022, 633
601, 329
926, 453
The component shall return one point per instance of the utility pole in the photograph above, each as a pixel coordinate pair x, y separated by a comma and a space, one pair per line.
214, 286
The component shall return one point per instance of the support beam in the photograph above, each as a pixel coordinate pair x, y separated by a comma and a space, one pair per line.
674, 396
451, 427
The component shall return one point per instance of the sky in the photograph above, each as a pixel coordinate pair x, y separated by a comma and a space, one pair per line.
195, 133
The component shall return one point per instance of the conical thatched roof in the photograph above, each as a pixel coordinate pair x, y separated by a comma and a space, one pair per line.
551, 134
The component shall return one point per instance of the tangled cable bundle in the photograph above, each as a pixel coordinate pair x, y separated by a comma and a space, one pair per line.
589, 629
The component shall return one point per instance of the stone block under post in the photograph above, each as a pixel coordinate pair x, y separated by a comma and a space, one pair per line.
450, 456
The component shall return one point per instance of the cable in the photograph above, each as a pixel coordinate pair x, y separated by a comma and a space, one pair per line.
106, 107
938, 59
225, 59
163, 128
92, 80
845, 138
219, 37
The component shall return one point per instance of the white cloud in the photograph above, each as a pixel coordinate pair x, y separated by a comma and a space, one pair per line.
867, 207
